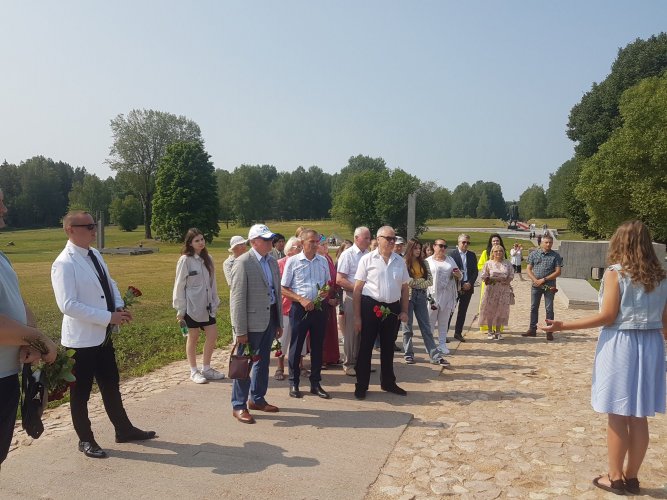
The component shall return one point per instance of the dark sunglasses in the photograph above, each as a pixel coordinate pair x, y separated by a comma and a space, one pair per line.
390, 239
89, 227
441, 245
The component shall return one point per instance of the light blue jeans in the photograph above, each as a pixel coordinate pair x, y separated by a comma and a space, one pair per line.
418, 306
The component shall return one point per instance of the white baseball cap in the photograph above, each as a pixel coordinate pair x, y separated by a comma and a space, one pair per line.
400, 240
236, 240
260, 231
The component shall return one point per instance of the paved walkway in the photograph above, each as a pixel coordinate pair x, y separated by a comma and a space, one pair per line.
510, 419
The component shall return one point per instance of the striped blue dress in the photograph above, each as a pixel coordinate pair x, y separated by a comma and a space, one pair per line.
629, 371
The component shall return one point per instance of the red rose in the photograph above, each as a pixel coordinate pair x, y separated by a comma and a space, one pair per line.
256, 358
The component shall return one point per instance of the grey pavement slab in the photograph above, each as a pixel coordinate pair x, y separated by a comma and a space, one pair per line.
312, 448
577, 294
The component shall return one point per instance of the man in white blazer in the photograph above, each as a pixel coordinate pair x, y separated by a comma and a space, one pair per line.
255, 302
91, 304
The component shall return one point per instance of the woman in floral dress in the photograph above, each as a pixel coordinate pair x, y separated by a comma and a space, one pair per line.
497, 274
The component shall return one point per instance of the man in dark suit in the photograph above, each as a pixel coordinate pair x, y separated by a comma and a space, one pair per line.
467, 262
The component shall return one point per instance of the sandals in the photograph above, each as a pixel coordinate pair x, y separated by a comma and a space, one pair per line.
632, 485
279, 375
617, 487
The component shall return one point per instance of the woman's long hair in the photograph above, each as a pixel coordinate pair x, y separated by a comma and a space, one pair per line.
631, 247
343, 246
188, 250
410, 257
489, 245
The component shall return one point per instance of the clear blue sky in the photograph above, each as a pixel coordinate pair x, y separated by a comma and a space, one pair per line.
449, 91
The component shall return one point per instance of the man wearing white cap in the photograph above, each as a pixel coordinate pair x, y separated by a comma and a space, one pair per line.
255, 299
237, 246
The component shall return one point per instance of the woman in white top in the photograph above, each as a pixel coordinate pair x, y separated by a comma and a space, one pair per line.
196, 301
516, 256
445, 275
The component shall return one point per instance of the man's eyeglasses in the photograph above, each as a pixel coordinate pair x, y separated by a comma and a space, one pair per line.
441, 245
89, 227
390, 239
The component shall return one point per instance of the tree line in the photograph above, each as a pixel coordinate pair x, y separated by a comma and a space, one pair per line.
619, 167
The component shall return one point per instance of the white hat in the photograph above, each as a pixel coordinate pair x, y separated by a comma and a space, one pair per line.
260, 231
400, 240
236, 240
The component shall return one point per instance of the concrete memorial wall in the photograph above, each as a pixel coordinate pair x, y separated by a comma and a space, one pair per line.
581, 259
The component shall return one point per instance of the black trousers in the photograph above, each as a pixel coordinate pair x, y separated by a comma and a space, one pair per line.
97, 363
302, 322
373, 327
464, 302
9, 403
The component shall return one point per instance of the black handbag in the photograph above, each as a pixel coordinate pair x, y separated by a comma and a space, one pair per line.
33, 402
239, 365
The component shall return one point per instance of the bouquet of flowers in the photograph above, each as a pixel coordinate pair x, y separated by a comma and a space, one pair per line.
58, 375
431, 302
130, 296
383, 312
278, 347
249, 351
322, 292
548, 288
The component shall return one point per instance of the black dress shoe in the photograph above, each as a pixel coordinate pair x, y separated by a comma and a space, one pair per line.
317, 389
135, 435
360, 394
459, 337
294, 392
92, 449
395, 390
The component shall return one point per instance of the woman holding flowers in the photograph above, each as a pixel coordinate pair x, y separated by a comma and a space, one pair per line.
494, 309
629, 367
331, 353
196, 301
494, 239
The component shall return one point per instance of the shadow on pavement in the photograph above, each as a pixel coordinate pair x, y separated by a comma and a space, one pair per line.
222, 459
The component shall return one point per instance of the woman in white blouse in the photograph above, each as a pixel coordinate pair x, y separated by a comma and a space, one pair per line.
196, 301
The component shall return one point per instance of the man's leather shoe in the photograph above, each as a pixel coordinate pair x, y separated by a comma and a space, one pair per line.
294, 392
550, 336
92, 449
360, 394
135, 435
459, 337
529, 333
317, 389
395, 390
263, 407
243, 416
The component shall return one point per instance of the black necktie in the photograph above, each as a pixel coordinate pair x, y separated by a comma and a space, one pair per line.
101, 275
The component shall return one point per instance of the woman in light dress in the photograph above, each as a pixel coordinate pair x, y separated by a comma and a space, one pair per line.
196, 301
629, 367
494, 239
494, 309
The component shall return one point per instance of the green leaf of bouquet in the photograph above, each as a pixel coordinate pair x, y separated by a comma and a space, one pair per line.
70, 352
69, 377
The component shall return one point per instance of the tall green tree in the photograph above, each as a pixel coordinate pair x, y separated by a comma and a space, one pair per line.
140, 140
533, 203
561, 188
250, 193
355, 203
597, 115
186, 193
464, 201
91, 194
442, 203
629, 171
126, 213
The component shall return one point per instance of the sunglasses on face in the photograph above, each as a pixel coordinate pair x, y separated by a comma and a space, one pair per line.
441, 245
390, 239
89, 227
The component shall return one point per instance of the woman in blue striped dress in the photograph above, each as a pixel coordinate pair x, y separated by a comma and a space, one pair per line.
629, 369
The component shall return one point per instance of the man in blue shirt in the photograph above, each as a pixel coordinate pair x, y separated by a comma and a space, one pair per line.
543, 268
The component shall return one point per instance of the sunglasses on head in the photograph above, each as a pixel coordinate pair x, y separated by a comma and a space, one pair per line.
89, 227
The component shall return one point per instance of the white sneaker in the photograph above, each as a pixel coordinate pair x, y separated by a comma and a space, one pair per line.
499, 336
490, 336
350, 372
443, 349
198, 378
212, 374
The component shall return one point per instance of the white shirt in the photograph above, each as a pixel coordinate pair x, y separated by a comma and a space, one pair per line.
516, 257
348, 262
305, 277
383, 281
